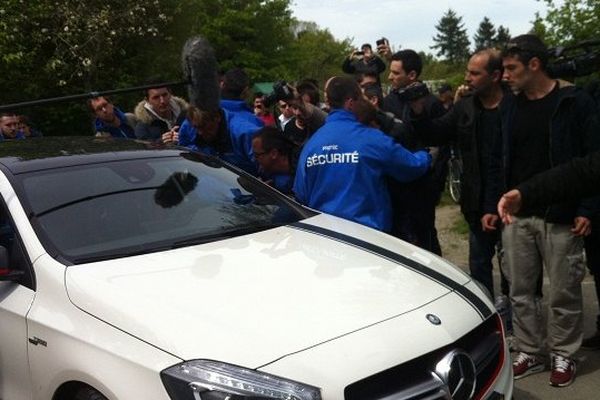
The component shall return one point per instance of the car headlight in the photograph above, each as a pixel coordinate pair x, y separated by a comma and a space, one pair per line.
213, 380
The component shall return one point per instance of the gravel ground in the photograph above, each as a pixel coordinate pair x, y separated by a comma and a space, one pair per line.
455, 247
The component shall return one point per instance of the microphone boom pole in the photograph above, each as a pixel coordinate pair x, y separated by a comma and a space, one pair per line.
89, 95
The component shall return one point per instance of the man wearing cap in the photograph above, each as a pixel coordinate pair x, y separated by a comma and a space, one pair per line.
446, 95
548, 123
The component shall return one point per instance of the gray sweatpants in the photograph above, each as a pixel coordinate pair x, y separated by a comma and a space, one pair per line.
529, 245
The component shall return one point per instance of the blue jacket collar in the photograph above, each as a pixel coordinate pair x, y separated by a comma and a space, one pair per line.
235, 105
340, 114
100, 125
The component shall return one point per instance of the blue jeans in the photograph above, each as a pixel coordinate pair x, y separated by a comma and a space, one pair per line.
482, 248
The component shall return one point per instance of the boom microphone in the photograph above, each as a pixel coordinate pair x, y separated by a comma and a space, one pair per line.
200, 70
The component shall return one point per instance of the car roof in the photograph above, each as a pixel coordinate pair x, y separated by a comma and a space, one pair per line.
19, 156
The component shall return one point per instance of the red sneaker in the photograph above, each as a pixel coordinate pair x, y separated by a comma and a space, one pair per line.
563, 371
526, 364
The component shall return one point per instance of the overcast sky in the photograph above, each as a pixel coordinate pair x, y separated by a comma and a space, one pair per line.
411, 23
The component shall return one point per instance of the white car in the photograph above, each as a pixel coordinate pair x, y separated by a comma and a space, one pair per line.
134, 272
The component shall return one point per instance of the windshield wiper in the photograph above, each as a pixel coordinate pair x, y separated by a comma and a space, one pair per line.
224, 234
213, 237
88, 198
118, 254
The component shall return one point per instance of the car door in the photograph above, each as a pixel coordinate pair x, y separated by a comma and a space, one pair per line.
16, 297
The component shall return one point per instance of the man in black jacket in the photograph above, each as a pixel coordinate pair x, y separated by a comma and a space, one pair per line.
571, 181
414, 203
472, 124
548, 123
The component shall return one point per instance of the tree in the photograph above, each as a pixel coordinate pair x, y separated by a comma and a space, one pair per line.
451, 40
315, 53
485, 36
252, 34
438, 70
52, 48
538, 28
74, 43
572, 22
502, 37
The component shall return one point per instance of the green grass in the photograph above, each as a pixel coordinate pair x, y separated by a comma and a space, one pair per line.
446, 200
460, 226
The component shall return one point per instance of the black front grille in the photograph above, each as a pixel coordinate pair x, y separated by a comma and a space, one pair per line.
416, 380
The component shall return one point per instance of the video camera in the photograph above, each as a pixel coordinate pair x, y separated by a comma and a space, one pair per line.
574, 61
281, 91
414, 91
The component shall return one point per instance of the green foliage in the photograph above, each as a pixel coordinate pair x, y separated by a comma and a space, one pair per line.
538, 27
316, 54
502, 37
571, 22
568, 24
51, 48
460, 226
253, 35
441, 70
485, 36
451, 40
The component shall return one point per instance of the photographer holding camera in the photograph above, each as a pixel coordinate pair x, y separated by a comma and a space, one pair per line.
363, 61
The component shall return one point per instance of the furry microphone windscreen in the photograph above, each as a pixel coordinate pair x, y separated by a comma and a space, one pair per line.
200, 68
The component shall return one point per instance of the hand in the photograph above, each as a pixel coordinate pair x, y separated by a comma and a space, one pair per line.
461, 92
385, 51
509, 205
488, 222
582, 226
354, 55
171, 136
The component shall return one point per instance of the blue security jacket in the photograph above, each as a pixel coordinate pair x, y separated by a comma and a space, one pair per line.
240, 125
123, 131
342, 167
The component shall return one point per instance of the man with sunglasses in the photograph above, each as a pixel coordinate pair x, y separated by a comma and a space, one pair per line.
286, 113
307, 119
548, 123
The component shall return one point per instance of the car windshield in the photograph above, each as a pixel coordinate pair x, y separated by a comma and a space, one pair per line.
114, 209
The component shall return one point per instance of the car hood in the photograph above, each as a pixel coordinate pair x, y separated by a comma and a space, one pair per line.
256, 298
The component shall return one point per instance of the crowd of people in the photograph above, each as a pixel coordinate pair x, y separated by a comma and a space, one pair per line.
380, 160
16, 127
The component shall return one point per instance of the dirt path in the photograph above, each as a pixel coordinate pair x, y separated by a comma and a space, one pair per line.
455, 247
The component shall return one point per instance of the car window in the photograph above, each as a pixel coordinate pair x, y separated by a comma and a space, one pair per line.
16, 256
115, 209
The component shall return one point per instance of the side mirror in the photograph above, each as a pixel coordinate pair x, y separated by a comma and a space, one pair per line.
7, 274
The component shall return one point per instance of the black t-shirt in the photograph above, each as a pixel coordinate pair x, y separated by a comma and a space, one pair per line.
530, 139
488, 131
295, 134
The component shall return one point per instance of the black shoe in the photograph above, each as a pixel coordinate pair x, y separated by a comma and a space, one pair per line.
592, 343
